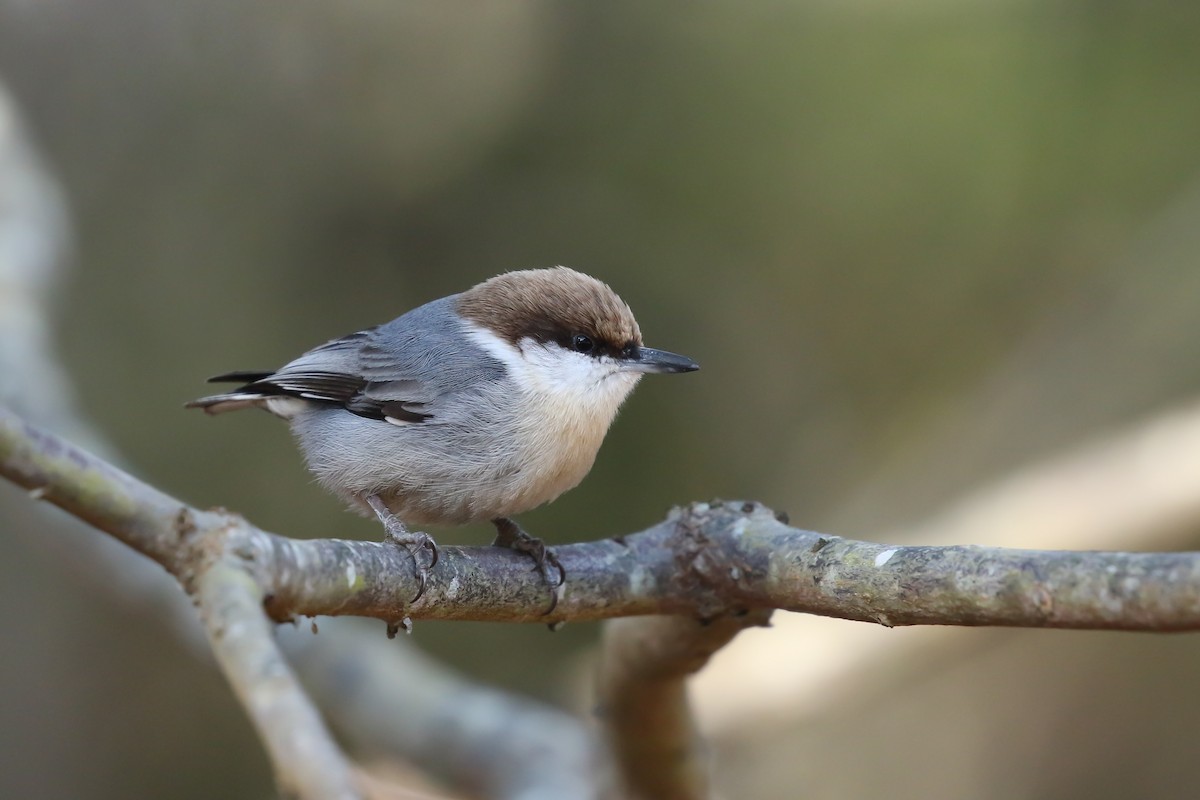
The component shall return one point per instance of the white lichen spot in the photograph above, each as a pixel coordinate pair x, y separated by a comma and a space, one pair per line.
885, 556
351, 575
452, 588
640, 580
739, 527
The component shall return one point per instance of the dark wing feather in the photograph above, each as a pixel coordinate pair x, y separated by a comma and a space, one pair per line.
400, 399
248, 376
399, 410
332, 387
304, 378
403, 370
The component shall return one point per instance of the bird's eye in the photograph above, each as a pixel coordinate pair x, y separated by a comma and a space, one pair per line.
582, 344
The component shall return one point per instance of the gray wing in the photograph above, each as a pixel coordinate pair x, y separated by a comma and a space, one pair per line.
402, 370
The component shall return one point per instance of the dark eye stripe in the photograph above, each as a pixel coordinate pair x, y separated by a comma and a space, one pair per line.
590, 343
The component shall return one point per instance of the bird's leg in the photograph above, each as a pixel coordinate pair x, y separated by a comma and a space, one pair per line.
412, 541
510, 534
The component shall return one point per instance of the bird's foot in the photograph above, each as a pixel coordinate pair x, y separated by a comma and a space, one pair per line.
415, 542
510, 534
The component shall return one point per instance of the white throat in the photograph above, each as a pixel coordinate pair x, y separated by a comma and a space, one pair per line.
568, 401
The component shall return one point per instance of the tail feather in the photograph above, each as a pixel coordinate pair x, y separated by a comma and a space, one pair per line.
220, 403
232, 401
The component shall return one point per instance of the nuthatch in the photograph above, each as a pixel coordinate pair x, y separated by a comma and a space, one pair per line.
477, 406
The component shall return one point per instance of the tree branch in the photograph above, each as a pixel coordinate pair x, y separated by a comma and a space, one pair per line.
643, 704
307, 762
481, 739
708, 561
703, 561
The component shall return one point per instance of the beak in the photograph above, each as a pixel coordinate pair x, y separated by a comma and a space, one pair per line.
647, 359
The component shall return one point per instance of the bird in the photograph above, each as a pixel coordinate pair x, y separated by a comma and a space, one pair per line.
473, 407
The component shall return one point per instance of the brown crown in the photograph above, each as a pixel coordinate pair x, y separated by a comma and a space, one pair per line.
551, 305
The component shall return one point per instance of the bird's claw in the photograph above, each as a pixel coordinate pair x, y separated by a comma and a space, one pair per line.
510, 534
556, 593
415, 542
544, 558
549, 557
412, 541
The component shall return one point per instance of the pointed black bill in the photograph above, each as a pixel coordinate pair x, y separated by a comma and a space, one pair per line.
647, 359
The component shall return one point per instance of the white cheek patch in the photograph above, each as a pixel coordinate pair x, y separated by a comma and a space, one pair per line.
496, 347
579, 381
592, 385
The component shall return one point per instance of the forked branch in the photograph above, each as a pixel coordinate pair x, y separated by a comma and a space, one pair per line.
709, 561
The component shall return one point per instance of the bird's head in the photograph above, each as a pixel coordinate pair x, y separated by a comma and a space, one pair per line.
564, 333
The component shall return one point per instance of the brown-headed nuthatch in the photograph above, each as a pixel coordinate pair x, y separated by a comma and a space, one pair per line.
477, 406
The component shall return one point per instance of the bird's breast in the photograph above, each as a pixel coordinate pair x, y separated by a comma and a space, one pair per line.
561, 437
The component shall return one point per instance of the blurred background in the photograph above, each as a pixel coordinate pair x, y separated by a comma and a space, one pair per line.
916, 247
